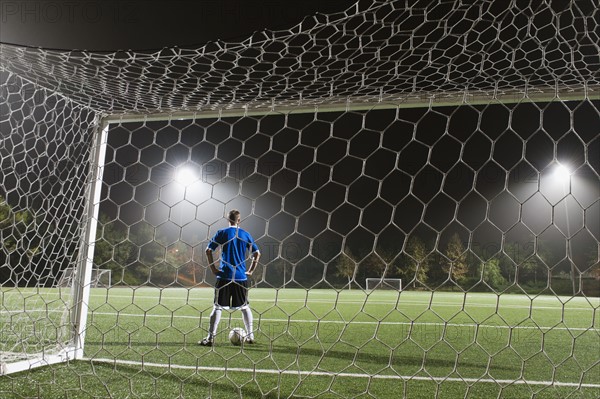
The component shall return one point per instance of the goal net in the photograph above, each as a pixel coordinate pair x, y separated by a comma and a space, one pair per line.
446, 150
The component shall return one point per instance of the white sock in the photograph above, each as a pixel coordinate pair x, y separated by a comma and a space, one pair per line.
248, 321
215, 318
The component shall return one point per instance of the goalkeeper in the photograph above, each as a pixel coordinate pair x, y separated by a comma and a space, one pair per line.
231, 288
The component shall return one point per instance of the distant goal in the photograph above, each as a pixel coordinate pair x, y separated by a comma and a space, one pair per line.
394, 284
101, 278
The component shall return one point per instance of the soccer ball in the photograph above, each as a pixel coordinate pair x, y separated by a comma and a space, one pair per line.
237, 336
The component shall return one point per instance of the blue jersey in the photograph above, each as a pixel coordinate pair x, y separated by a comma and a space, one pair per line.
234, 242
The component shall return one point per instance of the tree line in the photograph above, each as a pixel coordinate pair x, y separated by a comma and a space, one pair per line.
463, 268
143, 255
35, 248
139, 255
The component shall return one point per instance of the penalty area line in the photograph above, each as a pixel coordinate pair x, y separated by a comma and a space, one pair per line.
344, 375
360, 322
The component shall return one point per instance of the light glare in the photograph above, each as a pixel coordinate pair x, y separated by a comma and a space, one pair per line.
562, 173
185, 176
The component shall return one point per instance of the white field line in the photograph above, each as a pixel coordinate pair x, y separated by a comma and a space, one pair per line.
351, 322
378, 302
432, 306
307, 321
348, 375
355, 322
371, 302
368, 301
207, 293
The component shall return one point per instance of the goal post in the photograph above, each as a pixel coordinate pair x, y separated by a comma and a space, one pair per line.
61, 337
83, 275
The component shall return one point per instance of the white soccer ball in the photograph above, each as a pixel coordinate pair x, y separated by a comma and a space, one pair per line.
237, 336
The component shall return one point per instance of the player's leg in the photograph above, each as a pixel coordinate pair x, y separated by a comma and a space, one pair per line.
215, 315
215, 318
240, 301
248, 322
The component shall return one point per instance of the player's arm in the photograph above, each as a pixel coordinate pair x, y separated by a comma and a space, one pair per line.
211, 261
212, 246
255, 258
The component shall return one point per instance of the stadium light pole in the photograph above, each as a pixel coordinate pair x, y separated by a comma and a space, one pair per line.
562, 175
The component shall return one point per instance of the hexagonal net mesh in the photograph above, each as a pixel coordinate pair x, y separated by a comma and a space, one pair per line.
422, 182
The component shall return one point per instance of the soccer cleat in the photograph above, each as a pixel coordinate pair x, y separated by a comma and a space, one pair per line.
208, 341
249, 340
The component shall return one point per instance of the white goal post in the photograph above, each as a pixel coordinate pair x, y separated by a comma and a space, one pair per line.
373, 283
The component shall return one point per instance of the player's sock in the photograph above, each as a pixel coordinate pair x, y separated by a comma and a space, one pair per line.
248, 321
215, 318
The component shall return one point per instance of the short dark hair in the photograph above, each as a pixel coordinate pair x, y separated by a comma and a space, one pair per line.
234, 215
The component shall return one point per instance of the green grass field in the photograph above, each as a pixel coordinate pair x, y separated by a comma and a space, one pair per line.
142, 343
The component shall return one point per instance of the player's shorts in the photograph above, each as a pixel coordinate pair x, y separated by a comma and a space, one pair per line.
231, 294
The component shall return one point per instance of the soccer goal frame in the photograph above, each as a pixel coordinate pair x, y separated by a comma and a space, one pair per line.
81, 279
373, 283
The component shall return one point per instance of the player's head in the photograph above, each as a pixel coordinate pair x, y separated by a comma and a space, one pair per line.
234, 216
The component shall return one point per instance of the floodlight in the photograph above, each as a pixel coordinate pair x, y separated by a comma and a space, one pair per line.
562, 173
185, 176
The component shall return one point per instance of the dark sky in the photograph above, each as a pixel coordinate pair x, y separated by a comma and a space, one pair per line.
366, 176
313, 181
114, 25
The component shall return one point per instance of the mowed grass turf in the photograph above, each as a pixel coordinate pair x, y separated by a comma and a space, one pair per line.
143, 343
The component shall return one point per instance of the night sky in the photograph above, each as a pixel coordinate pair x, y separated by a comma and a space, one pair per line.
309, 185
127, 24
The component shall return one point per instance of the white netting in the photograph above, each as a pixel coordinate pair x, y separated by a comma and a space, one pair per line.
448, 147
383, 51
44, 158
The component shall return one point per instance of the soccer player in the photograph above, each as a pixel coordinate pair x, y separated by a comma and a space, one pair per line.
231, 288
